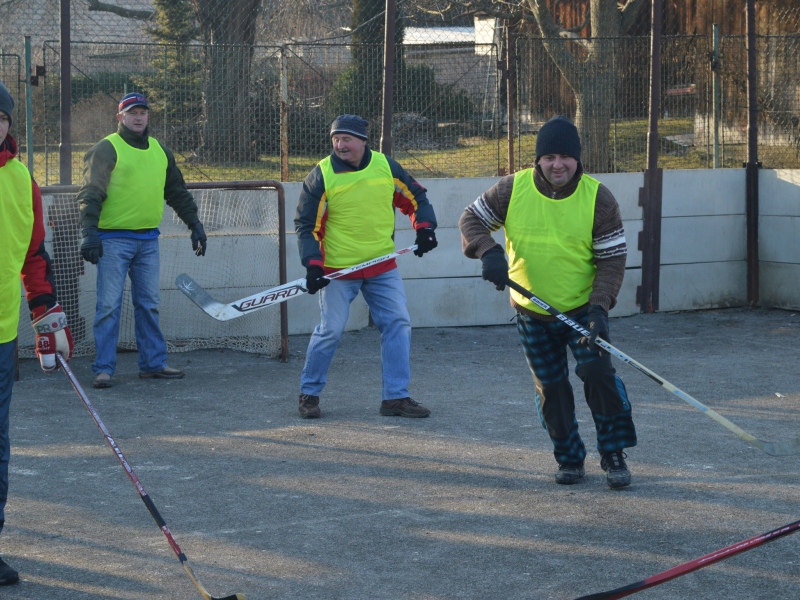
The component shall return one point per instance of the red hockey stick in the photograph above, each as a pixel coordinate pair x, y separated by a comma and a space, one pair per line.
694, 565
139, 487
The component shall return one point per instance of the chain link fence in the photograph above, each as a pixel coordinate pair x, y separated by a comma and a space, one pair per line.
262, 110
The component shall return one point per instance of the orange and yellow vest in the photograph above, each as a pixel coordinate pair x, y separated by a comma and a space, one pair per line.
360, 212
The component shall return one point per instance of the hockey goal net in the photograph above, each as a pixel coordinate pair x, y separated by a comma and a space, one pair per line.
245, 225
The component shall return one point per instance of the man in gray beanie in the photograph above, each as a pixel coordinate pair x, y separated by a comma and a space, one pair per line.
345, 216
566, 244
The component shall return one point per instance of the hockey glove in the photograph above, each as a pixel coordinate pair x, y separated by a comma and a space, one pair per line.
426, 241
315, 279
91, 245
198, 238
52, 335
598, 327
495, 267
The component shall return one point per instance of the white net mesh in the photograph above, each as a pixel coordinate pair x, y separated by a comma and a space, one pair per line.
244, 257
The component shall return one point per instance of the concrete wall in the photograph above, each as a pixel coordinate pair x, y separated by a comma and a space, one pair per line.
703, 253
779, 232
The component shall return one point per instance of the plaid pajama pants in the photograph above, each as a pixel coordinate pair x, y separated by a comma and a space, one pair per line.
545, 345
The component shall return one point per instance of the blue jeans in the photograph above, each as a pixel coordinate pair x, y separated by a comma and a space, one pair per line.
6, 384
386, 299
137, 259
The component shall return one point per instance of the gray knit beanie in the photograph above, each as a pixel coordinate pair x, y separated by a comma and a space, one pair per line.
352, 124
6, 102
558, 136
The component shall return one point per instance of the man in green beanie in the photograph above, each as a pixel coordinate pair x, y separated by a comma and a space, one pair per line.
565, 243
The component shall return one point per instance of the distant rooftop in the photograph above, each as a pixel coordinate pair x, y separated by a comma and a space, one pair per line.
438, 35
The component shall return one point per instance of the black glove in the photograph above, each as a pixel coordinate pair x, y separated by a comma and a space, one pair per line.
426, 241
315, 279
91, 245
198, 238
495, 267
598, 326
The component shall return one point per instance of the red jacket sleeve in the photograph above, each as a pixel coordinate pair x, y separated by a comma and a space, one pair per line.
37, 271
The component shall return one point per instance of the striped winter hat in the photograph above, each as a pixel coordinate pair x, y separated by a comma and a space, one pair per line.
131, 100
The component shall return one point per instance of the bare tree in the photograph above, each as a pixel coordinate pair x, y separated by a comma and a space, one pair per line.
586, 63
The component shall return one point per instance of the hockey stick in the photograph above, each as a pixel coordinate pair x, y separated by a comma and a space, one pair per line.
142, 492
771, 448
694, 565
276, 295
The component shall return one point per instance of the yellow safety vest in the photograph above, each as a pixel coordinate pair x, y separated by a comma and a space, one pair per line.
360, 212
549, 243
135, 194
16, 229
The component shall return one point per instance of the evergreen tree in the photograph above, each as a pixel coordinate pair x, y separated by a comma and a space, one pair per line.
368, 26
175, 91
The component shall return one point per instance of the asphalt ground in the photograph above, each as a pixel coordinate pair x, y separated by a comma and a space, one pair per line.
460, 505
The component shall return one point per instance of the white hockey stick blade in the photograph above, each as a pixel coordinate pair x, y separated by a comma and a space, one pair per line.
259, 300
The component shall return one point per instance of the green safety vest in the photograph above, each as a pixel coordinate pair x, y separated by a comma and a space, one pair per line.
549, 243
360, 212
16, 229
135, 194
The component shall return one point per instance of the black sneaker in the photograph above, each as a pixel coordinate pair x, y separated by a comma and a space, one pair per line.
617, 473
569, 474
8, 576
403, 407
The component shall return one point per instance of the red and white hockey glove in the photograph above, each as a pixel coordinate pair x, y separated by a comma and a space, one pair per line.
52, 335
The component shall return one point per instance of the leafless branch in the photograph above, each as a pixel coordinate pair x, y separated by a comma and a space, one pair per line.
128, 13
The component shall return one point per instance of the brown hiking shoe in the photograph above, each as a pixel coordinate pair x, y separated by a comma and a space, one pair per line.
309, 406
403, 407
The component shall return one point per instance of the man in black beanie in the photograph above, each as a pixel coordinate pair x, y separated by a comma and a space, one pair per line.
345, 216
566, 244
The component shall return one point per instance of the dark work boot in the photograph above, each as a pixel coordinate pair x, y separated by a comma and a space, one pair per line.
309, 406
569, 474
617, 473
8, 576
403, 407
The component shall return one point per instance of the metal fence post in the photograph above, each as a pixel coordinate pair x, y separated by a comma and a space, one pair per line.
716, 93
65, 147
511, 82
284, 125
28, 104
752, 165
650, 194
388, 77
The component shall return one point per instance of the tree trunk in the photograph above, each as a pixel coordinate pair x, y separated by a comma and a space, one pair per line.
595, 106
229, 32
590, 72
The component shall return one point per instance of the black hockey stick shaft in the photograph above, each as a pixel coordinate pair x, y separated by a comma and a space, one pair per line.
694, 565
148, 502
772, 448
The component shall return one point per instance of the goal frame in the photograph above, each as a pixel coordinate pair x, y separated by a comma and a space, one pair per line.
205, 185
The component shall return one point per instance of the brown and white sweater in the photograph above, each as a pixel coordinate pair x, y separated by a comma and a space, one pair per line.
488, 213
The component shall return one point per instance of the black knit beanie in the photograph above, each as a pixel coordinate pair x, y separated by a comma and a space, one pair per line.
558, 136
352, 124
6, 102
